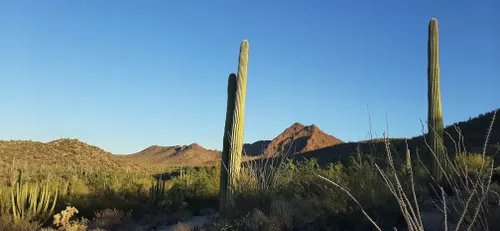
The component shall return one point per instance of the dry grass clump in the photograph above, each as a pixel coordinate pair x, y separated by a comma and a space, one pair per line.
110, 218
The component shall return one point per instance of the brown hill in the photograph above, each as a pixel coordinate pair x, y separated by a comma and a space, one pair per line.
174, 155
61, 153
298, 139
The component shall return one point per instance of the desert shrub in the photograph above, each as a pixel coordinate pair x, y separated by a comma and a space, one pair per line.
109, 218
252, 221
280, 194
92, 191
197, 188
473, 161
7, 223
63, 220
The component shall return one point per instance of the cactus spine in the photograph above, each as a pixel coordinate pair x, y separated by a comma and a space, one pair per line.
233, 130
435, 115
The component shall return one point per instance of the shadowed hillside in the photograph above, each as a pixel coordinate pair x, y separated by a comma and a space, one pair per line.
473, 134
475, 130
256, 148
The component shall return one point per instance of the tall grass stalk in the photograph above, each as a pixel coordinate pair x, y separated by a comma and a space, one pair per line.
259, 179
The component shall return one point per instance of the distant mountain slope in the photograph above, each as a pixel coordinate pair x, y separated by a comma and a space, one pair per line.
473, 131
256, 148
61, 153
298, 139
179, 154
302, 141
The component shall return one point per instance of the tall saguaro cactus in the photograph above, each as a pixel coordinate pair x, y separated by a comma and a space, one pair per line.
233, 130
435, 115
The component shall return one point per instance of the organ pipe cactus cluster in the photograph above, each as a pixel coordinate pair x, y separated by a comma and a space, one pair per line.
435, 115
157, 192
233, 131
33, 201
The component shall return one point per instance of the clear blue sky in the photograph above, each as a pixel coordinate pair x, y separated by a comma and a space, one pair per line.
124, 75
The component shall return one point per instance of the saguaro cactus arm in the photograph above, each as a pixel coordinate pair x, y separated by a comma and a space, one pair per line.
226, 158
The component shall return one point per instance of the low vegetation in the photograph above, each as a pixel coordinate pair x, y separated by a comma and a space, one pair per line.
273, 194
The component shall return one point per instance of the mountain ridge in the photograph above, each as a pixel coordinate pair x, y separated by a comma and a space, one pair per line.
303, 141
297, 137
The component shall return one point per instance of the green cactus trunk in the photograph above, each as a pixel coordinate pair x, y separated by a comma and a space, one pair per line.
233, 131
408, 159
435, 116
